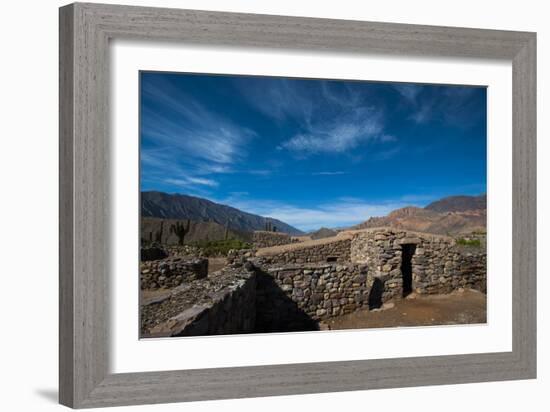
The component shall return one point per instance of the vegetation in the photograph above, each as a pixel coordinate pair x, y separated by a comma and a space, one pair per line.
468, 242
158, 234
220, 247
180, 230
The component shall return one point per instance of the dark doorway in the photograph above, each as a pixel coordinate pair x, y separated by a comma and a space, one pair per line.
406, 267
375, 295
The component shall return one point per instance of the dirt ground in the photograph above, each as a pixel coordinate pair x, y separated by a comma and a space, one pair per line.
215, 264
419, 310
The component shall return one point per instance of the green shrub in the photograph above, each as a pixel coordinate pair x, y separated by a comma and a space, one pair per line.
468, 242
220, 247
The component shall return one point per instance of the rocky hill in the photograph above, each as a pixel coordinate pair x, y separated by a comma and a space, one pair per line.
153, 229
178, 206
322, 233
450, 215
459, 204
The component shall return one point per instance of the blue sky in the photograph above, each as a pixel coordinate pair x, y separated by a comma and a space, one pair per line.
311, 152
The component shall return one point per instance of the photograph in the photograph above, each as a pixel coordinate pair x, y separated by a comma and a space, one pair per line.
279, 204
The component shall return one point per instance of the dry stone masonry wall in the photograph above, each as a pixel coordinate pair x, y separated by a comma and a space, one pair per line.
296, 296
309, 252
261, 239
437, 264
171, 272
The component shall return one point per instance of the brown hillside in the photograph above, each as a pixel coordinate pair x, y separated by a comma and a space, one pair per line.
158, 230
431, 222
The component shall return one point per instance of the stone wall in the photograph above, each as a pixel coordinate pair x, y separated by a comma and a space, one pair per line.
259, 299
171, 272
296, 296
438, 264
183, 250
223, 303
469, 271
261, 239
322, 250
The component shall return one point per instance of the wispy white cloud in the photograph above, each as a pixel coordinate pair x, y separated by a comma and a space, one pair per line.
337, 135
388, 138
185, 140
335, 173
215, 141
342, 212
279, 101
419, 199
161, 167
409, 91
422, 108
191, 181
423, 113
454, 100
259, 172
340, 94
330, 117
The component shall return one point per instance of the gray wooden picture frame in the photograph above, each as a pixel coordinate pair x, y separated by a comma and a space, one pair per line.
85, 31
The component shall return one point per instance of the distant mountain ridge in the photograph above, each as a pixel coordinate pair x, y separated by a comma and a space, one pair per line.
323, 233
450, 215
179, 206
459, 204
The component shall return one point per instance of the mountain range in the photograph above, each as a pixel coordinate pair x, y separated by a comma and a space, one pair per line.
178, 206
450, 215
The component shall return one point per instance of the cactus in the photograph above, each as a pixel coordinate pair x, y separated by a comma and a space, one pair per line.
158, 235
226, 234
180, 230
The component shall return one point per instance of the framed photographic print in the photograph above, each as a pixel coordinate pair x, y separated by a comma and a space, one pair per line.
262, 205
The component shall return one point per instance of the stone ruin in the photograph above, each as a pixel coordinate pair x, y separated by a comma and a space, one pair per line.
294, 286
171, 272
263, 238
222, 303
